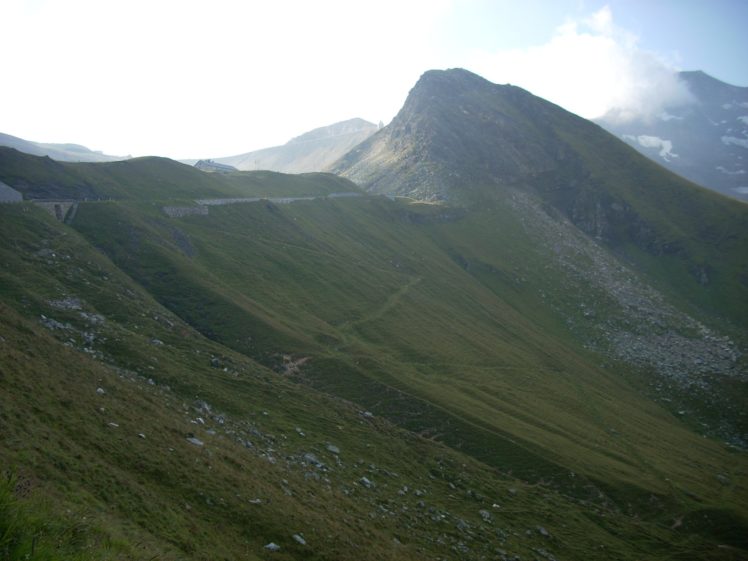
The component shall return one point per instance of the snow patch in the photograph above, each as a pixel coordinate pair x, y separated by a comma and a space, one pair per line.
727, 140
741, 190
665, 146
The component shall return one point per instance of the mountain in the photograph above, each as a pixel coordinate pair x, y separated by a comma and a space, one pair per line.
59, 152
466, 141
544, 360
705, 141
311, 151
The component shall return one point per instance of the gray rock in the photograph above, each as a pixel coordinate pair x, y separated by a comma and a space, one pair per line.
485, 515
68, 303
462, 525
366, 482
195, 441
299, 539
100, 391
312, 460
332, 448
543, 532
272, 547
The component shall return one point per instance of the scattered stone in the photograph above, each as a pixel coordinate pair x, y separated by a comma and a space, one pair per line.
543, 532
723, 479
485, 515
141, 435
299, 539
114, 425
300, 432
332, 448
255, 501
366, 482
100, 391
68, 303
312, 460
195, 441
156, 342
53, 324
93, 319
272, 547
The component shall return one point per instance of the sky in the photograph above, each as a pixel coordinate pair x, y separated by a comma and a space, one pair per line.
195, 78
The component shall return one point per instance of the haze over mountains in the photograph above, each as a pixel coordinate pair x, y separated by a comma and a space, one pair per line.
531, 347
59, 152
315, 150
705, 141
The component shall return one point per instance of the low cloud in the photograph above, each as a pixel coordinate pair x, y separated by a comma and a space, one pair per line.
593, 68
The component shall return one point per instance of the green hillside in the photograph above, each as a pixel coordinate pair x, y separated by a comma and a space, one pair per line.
531, 369
150, 178
102, 387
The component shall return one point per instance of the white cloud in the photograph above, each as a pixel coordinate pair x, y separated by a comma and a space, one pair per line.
728, 140
593, 68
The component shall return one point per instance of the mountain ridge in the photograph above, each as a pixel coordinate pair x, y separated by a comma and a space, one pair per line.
66, 152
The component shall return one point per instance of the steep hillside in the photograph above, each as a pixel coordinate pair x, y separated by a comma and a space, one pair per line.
704, 141
59, 152
462, 139
315, 150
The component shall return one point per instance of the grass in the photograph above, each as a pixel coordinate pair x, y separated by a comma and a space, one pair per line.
436, 320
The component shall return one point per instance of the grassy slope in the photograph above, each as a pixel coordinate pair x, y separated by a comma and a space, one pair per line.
128, 496
374, 291
150, 178
678, 230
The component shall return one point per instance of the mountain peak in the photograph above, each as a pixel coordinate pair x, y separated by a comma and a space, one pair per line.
455, 128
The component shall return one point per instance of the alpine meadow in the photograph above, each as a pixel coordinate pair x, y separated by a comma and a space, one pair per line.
491, 330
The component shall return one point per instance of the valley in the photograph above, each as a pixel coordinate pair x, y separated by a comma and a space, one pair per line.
511, 338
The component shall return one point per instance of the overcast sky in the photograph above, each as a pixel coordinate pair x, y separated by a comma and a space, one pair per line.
188, 78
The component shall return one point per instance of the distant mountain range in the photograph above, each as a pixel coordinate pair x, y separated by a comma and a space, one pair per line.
705, 141
311, 151
59, 152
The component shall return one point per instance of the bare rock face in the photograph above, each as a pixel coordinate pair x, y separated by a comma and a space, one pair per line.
455, 128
